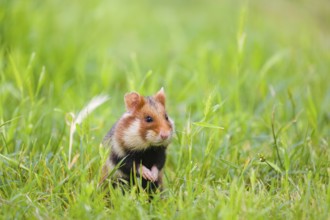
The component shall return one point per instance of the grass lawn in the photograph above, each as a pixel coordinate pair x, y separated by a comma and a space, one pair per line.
259, 69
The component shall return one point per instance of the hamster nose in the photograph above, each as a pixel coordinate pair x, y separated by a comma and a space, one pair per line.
164, 135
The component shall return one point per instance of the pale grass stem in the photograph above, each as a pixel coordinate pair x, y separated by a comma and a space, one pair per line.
88, 109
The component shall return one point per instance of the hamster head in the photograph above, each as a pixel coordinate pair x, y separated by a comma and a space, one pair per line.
149, 123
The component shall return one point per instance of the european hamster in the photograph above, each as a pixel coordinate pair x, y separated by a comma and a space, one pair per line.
139, 140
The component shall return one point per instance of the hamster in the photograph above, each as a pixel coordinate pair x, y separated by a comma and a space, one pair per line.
138, 141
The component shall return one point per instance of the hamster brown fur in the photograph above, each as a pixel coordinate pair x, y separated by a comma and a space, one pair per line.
138, 141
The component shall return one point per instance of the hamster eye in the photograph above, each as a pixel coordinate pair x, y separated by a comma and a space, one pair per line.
166, 117
149, 119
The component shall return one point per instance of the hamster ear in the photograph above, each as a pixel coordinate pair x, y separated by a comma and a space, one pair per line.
160, 96
133, 101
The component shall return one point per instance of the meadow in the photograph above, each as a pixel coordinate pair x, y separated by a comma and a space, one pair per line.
247, 84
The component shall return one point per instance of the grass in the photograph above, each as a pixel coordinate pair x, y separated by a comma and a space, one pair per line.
258, 69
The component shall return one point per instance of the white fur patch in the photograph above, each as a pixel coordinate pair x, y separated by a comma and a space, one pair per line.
132, 137
117, 148
125, 115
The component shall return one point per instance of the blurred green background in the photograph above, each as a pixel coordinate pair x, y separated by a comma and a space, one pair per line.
253, 67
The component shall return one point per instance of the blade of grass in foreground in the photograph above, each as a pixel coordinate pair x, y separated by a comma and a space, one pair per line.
207, 125
14, 162
89, 108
